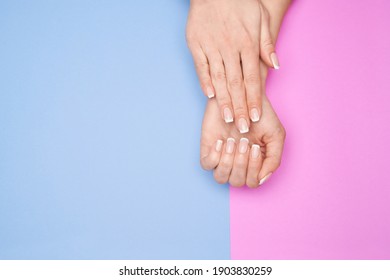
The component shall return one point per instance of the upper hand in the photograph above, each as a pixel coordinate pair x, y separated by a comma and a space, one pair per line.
226, 39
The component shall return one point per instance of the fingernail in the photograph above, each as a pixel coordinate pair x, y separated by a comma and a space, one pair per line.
227, 113
262, 181
230, 145
218, 146
210, 92
255, 151
243, 145
243, 125
275, 61
255, 117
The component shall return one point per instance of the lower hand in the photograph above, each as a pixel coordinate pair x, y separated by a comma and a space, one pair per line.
241, 159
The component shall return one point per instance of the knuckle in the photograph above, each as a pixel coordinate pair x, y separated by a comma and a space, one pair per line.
248, 43
235, 82
224, 166
253, 98
219, 76
239, 110
241, 165
202, 65
191, 39
281, 133
223, 101
254, 103
205, 82
225, 38
267, 43
252, 79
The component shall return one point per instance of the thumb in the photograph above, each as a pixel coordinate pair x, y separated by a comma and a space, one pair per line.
267, 48
273, 156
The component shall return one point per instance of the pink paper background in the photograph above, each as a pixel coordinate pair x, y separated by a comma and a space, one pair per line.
330, 199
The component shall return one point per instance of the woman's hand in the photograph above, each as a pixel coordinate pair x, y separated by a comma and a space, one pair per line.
227, 39
238, 160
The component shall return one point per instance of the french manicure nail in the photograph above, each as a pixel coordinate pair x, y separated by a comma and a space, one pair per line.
243, 125
255, 117
275, 61
262, 181
218, 146
210, 92
243, 145
230, 145
255, 151
227, 113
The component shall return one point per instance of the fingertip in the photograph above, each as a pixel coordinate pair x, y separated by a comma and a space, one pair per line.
243, 146
236, 184
204, 163
269, 166
228, 115
252, 184
255, 114
218, 145
210, 92
220, 179
230, 145
265, 178
243, 125
255, 152
275, 61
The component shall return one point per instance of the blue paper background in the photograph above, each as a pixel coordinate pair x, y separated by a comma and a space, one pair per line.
100, 116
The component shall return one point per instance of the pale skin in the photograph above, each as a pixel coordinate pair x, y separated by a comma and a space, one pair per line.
252, 157
226, 39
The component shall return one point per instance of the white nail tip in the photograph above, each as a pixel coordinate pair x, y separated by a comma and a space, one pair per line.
230, 145
242, 131
243, 145
255, 151
262, 181
210, 93
218, 146
275, 61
